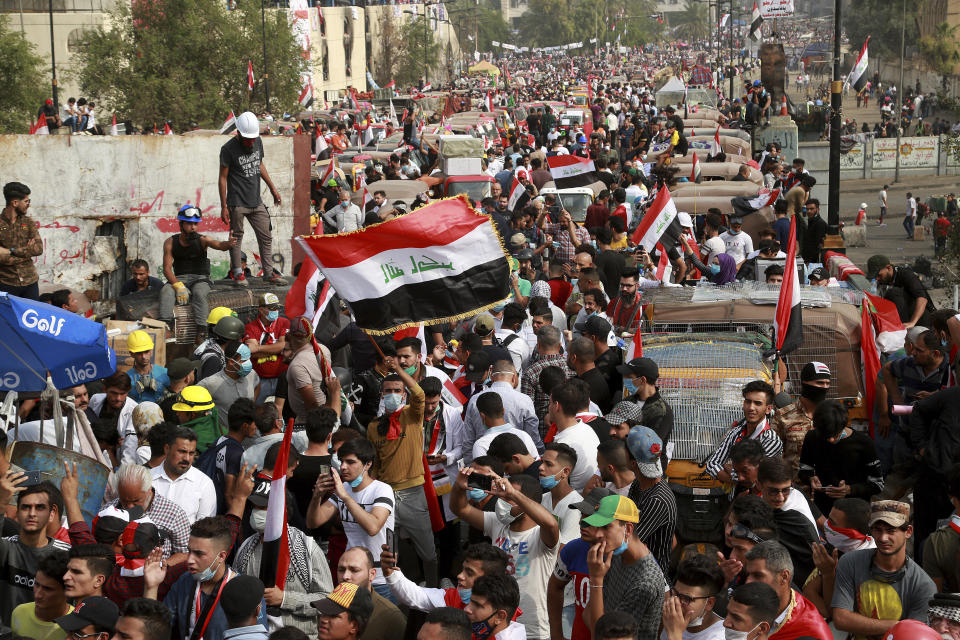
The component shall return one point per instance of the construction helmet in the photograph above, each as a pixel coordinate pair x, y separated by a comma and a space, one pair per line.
139, 341
248, 125
189, 213
229, 328
193, 398
219, 312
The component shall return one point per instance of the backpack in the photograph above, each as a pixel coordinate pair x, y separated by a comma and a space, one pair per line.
207, 462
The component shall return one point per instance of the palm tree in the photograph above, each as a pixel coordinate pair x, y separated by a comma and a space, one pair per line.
694, 22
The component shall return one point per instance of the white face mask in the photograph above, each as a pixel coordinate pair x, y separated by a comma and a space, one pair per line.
502, 510
258, 520
732, 634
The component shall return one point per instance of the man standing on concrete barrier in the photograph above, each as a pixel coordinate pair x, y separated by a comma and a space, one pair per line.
241, 168
19, 243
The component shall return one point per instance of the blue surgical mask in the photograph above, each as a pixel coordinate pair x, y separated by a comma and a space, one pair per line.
208, 573
464, 594
621, 548
356, 481
714, 269
392, 402
273, 315
630, 387
476, 494
245, 368
734, 233
548, 482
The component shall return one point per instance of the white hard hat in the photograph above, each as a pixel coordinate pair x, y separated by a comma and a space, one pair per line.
685, 220
248, 125
863, 205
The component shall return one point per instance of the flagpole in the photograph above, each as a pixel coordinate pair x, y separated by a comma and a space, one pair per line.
836, 106
53, 60
899, 114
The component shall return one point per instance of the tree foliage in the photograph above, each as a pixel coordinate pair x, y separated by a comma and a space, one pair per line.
939, 49
693, 23
419, 51
186, 61
23, 78
881, 20
550, 23
481, 23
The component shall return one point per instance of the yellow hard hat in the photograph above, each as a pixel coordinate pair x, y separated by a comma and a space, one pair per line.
193, 398
139, 341
219, 312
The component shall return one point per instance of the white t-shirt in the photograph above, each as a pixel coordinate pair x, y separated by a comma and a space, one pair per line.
531, 564
584, 441
375, 494
912, 207
714, 246
569, 519
737, 246
883, 197
483, 442
713, 632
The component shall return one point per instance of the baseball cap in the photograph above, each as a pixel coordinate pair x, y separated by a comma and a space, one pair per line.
518, 240
136, 532
641, 367
525, 254
685, 220
814, 371
270, 300
591, 502
875, 263
240, 596
615, 507
484, 324
595, 326
646, 446
819, 274
346, 597
179, 368
914, 332
735, 220
260, 495
477, 365
95, 610
893, 512
623, 411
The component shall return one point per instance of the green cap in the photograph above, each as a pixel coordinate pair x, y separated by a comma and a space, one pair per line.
875, 263
615, 507
332, 182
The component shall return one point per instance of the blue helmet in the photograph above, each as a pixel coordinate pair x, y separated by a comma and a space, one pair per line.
189, 213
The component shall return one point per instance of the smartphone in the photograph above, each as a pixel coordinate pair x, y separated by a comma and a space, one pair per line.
325, 470
34, 478
480, 481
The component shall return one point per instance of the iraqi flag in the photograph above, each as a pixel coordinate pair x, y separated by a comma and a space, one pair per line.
426, 87
230, 124
167, 131
571, 171
788, 320
249, 76
764, 198
659, 223
488, 102
756, 20
442, 262
309, 295
858, 74
40, 128
275, 559
871, 359
695, 172
715, 147
113, 127
518, 196
306, 94
390, 85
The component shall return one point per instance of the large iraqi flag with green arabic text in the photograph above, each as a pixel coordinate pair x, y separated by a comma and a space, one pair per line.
442, 262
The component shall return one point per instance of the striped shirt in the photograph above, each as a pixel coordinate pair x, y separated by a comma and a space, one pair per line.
763, 433
530, 383
658, 519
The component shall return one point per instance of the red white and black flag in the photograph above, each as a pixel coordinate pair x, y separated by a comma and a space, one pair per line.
756, 20
306, 94
572, 171
715, 147
659, 223
250, 82
275, 560
518, 196
858, 74
695, 172
442, 262
230, 124
788, 320
764, 198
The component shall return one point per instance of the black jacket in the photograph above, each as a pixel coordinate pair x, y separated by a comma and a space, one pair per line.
935, 429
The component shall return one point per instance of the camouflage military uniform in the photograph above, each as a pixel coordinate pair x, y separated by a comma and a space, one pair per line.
792, 425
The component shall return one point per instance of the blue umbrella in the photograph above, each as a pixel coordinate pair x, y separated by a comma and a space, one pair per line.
37, 340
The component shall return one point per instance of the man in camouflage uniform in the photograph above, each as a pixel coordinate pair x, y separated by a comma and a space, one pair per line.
793, 421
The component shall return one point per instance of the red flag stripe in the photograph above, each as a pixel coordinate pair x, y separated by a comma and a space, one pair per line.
790, 291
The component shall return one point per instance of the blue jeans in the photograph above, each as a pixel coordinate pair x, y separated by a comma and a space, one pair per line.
908, 224
384, 590
30, 291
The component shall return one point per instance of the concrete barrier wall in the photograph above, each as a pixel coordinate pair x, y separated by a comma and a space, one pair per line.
80, 183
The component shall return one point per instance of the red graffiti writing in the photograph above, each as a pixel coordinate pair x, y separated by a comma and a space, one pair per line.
66, 256
57, 225
146, 207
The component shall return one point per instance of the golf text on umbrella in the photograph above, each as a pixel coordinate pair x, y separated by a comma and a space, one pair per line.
32, 320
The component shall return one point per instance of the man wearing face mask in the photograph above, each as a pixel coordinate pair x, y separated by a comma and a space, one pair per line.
530, 535
769, 562
265, 336
187, 268
794, 421
623, 568
688, 609
365, 505
346, 216
640, 377
751, 613
236, 380
555, 469
307, 576
493, 605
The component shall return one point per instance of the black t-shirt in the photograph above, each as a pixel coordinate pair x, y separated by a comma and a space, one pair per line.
913, 289
51, 114
243, 179
607, 363
304, 477
599, 390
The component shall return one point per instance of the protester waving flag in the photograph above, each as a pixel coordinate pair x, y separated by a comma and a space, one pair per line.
572, 171
858, 74
519, 197
276, 547
442, 262
229, 124
788, 320
659, 223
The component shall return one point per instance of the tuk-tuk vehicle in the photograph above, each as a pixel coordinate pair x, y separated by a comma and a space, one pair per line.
571, 119
476, 187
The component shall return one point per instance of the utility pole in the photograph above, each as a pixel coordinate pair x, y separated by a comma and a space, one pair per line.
730, 43
263, 37
899, 114
836, 107
53, 62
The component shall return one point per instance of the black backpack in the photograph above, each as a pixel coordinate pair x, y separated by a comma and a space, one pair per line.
207, 462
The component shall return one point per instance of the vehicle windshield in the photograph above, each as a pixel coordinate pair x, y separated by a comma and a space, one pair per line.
576, 204
476, 191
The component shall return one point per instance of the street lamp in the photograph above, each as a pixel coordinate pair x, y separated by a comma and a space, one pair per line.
53, 62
